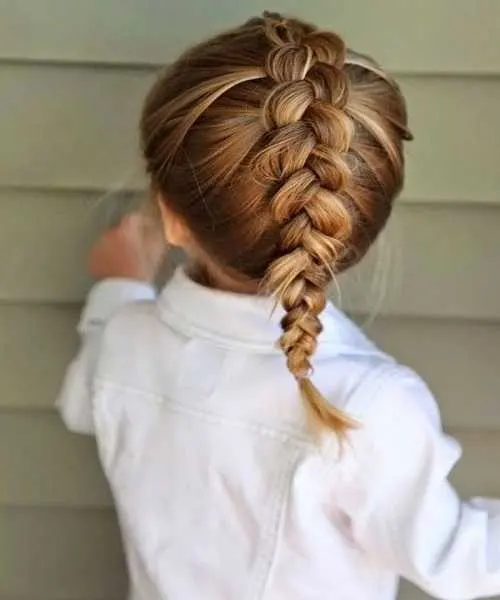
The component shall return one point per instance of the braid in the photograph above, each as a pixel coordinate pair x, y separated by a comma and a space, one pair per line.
308, 135
282, 153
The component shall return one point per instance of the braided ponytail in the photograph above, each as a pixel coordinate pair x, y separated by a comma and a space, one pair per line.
309, 180
283, 153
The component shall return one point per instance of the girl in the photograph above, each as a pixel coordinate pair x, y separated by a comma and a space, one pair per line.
275, 155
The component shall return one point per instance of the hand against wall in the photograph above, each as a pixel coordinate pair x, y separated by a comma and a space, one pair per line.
133, 249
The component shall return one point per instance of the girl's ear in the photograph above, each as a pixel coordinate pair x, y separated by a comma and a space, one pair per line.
176, 232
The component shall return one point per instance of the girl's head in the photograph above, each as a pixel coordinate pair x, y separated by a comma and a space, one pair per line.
280, 152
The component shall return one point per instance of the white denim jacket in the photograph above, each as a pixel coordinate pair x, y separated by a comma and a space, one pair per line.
222, 494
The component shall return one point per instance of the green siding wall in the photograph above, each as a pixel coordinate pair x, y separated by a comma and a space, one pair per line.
65, 67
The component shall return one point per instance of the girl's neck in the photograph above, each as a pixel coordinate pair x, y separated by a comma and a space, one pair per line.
216, 278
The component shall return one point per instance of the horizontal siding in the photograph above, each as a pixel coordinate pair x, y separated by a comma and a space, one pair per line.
43, 464
43, 243
457, 358
408, 592
60, 555
477, 472
74, 127
78, 139
433, 261
73, 77
440, 261
44, 239
35, 347
408, 35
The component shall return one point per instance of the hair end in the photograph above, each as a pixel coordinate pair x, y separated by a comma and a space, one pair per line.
322, 415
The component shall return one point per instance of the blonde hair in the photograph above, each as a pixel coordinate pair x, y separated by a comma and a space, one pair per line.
283, 152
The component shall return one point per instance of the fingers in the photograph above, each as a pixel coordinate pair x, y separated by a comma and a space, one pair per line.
131, 224
136, 233
142, 224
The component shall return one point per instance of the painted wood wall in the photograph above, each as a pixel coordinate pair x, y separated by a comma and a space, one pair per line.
72, 77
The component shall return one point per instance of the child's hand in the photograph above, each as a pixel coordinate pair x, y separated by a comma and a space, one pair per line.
134, 249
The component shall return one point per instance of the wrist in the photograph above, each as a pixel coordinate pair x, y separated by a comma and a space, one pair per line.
127, 271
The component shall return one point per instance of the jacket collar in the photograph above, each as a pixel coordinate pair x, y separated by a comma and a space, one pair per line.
247, 322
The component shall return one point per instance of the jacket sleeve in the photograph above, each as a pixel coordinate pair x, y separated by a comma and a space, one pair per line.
402, 508
105, 299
